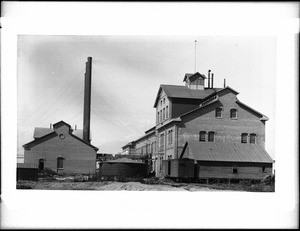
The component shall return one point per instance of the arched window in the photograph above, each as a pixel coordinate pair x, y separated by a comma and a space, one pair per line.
211, 136
233, 113
244, 137
60, 163
218, 112
157, 117
202, 135
41, 164
164, 114
160, 116
164, 100
252, 138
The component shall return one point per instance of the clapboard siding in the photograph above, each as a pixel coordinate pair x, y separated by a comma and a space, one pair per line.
226, 172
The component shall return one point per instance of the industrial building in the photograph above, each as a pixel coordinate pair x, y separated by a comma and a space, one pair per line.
204, 132
61, 148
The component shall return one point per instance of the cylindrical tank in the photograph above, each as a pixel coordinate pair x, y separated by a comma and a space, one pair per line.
123, 167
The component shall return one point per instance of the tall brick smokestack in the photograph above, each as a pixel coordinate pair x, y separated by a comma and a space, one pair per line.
87, 101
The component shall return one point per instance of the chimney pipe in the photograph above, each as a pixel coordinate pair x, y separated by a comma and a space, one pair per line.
212, 80
87, 101
224, 83
75, 127
208, 79
50, 126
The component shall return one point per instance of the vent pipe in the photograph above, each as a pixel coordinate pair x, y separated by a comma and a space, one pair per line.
212, 80
87, 101
75, 127
208, 79
224, 83
50, 126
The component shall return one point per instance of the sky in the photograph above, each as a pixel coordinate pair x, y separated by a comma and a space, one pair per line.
126, 74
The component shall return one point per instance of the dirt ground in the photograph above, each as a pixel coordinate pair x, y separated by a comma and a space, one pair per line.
111, 186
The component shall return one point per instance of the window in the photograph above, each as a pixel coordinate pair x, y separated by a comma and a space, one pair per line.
218, 112
234, 170
167, 112
263, 169
163, 114
211, 136
252, 138
164, 100
160, 116
170, 136
202, 136
233, 113
60, 163
157, 117
244, 137
162, 141
61, 136
160, 102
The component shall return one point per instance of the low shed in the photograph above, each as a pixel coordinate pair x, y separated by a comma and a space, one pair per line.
229, 160
27, 172
123, 167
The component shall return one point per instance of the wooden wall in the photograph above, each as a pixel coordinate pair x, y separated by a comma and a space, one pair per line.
225, 170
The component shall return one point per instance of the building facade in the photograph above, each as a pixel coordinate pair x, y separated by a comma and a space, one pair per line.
202, 123
62, 150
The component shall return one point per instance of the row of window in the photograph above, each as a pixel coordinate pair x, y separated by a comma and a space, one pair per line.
147, 148
163, 114
211, 137
59, 163
251, 138
233, 113
162, 101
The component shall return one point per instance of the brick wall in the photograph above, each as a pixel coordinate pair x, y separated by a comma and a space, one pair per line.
226, 128
78, 156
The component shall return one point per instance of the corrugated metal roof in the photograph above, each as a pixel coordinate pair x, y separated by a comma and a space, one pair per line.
234, 152
40, 132
125, 160
175, 91
27, 165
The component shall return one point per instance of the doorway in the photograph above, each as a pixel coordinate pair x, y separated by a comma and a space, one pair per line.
41, 164
169, 167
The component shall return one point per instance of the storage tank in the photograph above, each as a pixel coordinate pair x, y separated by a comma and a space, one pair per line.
123, 167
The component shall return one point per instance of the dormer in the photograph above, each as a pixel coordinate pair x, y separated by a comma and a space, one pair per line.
194, 81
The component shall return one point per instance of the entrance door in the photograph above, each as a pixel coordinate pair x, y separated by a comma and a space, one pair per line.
169, 167
41, 165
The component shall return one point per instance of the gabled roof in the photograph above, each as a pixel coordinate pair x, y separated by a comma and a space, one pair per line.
231, 152
263, 117
175, 91
40, 131
189, 75
43, 134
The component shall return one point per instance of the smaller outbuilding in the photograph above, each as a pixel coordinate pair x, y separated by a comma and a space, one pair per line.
123, 167
27, 172
62, 150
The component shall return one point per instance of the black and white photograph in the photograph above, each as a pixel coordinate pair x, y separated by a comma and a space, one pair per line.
112, 127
